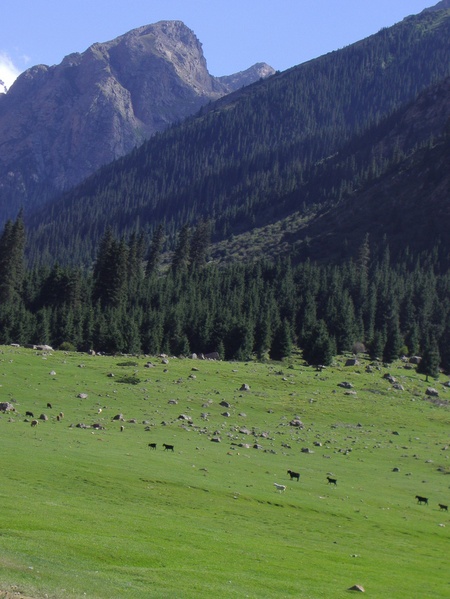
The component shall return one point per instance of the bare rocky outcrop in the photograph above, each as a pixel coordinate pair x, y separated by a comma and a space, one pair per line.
60, 123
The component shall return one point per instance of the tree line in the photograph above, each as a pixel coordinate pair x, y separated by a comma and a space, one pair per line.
132, 302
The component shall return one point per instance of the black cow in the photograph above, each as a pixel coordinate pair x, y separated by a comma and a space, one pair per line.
30, 414
152, 445
443, 507
332, 481
294, 475
421, 500
167, 447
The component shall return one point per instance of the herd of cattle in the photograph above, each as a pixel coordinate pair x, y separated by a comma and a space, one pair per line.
279, 487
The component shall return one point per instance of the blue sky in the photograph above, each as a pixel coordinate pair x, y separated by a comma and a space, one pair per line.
235, 34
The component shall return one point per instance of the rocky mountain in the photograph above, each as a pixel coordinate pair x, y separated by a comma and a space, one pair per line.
274, 155
59, 124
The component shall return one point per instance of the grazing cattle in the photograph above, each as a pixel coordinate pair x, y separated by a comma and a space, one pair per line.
152, 445
34, 422
61, 415
30, 414
167, 447
280, 488
49, 405
294, 474
332, 481
122, 428
443, 507
422, 499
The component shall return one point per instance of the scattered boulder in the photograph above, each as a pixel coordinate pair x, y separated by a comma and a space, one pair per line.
352, 362
82, 395
398, 387
415, 360
212, 356
226, 414
43, 417
215, 440
184, 417
52, 373
296, 422
5, 406
118, 417
244, 387
357, 587
225, 404
345, 385
432, 392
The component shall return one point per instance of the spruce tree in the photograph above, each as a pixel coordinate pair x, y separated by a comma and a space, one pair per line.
154, 254
12, 269
429, 365
282, 342
320, 347
199, 244
394, 344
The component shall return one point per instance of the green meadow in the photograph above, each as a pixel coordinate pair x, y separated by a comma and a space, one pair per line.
95, 512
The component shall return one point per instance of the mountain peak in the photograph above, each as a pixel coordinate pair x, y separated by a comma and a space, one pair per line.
58, 124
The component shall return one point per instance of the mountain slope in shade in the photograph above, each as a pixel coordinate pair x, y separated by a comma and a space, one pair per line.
59, 124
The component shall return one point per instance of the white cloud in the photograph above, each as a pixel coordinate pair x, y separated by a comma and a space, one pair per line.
8, 72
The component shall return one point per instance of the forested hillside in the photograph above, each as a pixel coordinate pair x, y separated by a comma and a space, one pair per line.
309, 210
281, 147
241, 311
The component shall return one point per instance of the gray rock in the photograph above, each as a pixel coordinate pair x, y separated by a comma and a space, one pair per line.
122, 92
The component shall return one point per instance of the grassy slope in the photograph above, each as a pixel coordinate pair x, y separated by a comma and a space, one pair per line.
99, 514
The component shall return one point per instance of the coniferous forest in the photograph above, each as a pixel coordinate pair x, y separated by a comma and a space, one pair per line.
352, 148
264, 309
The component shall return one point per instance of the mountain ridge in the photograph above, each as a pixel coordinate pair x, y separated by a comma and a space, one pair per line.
59, 124
253, 157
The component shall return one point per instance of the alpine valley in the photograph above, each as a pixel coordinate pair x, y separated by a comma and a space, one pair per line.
163, 198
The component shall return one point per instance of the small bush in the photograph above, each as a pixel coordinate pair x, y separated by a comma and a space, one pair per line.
67, 346
130, 380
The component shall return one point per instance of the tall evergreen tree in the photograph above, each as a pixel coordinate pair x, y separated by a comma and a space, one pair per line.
154, 254
181, 255
429, 365
199, 244
282, 342
12, 268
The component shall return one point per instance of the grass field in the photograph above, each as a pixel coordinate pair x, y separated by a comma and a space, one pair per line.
97, 513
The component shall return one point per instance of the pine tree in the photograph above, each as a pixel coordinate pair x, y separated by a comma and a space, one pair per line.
181, 255
199, 244
320, 346
12, 270
154, 254
110, 272
394, 344
429, 365
282, 342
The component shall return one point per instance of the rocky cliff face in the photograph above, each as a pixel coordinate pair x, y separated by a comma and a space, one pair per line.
59, 124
